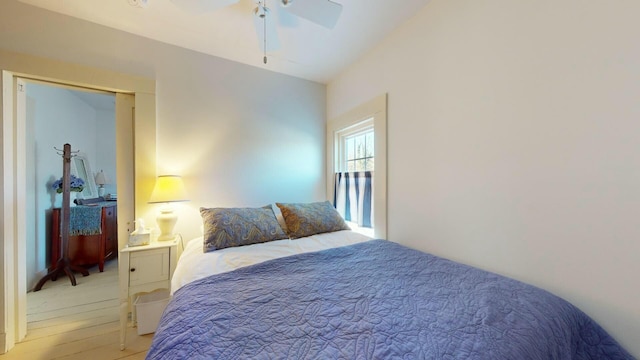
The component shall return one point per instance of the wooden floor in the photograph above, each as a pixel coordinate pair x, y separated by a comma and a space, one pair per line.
78, 322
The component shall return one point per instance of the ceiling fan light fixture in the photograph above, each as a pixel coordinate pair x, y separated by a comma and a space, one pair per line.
261, 11
285, 3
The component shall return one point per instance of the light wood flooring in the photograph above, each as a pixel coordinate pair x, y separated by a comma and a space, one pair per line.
78, 322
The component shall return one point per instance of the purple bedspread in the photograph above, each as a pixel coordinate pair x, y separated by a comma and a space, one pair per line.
374, 300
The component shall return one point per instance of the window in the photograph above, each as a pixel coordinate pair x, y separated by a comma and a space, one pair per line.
356, 147
356, 167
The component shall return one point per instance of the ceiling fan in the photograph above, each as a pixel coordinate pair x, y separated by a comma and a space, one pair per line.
322, 12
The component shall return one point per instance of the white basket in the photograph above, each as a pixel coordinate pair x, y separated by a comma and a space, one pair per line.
149, 308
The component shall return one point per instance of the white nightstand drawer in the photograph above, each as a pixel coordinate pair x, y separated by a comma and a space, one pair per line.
149, 266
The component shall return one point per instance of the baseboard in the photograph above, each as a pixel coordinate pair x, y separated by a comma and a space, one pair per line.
3, 343
39, 275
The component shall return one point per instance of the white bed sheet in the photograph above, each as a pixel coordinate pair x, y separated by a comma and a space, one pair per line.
194, 264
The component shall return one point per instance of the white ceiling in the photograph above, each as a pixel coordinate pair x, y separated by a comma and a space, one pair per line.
307, 50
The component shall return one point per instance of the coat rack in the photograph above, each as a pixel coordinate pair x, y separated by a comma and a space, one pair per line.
64, 265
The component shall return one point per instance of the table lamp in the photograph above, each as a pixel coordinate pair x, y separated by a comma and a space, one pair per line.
101, 180
168, 189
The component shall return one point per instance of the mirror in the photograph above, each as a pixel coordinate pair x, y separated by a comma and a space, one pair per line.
80, 168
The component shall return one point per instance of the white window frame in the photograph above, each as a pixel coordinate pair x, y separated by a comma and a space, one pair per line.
375, 109
342, 135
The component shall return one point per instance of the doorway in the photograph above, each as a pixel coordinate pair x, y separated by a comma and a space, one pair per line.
56, 115
52, 115
135, 98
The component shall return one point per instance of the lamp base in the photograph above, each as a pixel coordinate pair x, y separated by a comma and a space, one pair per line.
167, 237
166, 221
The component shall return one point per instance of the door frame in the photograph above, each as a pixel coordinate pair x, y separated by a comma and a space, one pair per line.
12, 194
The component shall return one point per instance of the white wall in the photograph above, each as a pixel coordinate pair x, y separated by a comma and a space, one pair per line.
240, 135
513, 139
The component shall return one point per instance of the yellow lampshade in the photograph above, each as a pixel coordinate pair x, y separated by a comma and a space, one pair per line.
169, 188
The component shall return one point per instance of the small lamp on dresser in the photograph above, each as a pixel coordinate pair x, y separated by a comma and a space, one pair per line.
168, 189
101, 180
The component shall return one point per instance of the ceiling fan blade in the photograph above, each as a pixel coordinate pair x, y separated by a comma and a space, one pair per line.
273, 43
321, 12
201, 6
285, 18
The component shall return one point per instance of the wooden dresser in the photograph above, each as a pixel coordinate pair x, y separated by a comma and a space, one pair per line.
88, 250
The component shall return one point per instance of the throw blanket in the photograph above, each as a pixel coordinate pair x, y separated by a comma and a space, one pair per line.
85, 220
374, 300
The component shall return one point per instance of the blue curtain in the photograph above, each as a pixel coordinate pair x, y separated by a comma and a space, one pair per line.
352, 197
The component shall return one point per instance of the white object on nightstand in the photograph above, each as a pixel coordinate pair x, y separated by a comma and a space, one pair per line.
144, 269
140, 236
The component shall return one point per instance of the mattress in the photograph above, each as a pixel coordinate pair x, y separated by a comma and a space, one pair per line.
194, 264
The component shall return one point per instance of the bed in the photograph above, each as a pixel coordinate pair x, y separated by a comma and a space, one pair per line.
342, 295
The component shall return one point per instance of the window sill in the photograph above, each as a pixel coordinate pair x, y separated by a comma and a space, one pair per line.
362, 230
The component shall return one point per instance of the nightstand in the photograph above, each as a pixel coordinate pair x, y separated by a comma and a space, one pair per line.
144, 269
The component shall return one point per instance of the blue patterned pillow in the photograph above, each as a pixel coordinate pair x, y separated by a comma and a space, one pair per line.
228, 227
312, 218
